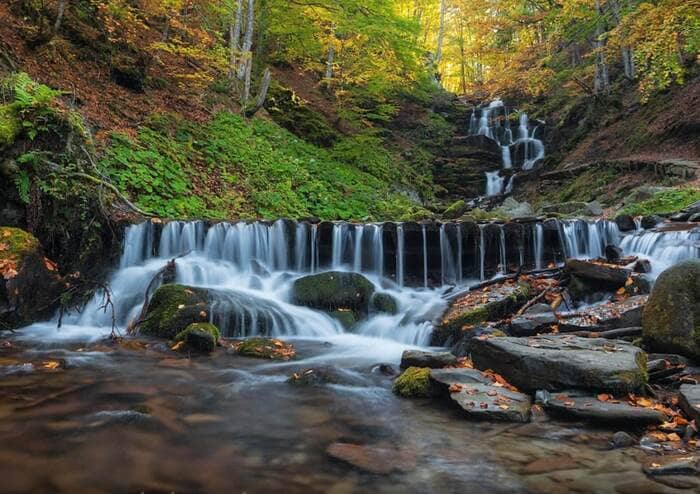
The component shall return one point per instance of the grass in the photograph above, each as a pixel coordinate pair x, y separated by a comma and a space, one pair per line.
665, 202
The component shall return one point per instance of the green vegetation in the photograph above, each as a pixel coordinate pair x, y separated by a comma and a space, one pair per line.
172, 309
267, 348
414, 382
664, 202
202, 337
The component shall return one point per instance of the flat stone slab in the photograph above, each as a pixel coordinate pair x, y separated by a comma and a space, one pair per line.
448, 377
689, 400
488, 402
420, 358
563, 362
589, 407
608, 315
379, 459
531, 324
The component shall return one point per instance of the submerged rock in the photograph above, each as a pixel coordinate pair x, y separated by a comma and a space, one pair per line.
268, 348
173, 308
323, 375
377, 459
201, 336
414, 382
559, 362
589, 407
476, 307
622, 439
420, 358
334, 290
29, 283
671, 318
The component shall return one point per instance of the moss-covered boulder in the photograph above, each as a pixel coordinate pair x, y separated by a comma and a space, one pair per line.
455, 210
199, 336
384, 302
474, 308
173, 308
345, 317
268, 348
671, 317
333, 291
30, 287
414, 382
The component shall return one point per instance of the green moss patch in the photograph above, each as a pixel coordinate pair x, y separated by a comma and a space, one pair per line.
414, 382
10, 125
15, 243
202, 336
664, 202
267, 348
334, 290
172, 309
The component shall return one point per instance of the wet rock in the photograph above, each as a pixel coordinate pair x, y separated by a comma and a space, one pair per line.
488, 402
689, 400
462, 348
267, 348
414, 382
334, 291
455, 210
384, 370
172, 308
594, 208
625, 223
556, 362
550, 464
609, 274
613, 252
377, 459
29, 283
622, 439
606, 316
515, 209
539, 309
257, 268
200, 337
476, 307
443, 379
420, 358
685, 465
651, 221
642, 266
588, 407
671, 318
530, 324
384, 302
345, 317
319, 376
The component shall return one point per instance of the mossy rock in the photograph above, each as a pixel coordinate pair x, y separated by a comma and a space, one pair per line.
10, 126
334, 290
384, 302
455, 210
30, 286
671, 317
173, 308
449, 331
345, 317
267, 348
414, 382
200, 336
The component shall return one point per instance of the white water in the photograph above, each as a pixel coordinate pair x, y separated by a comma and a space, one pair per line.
494, 183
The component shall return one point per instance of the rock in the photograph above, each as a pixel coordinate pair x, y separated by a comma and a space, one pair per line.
30, 287
613, 252
488, 402
694, 217
693, 208
539, 309
651, 221
594, 208
334, 290
556, 362
442, 379
462, 348
685, 465
433, 360
377, 459
589, 407
345, 317
531, 324
671, 318
564, 208
680, 217
268, 348
414, 382
689, 400
606, 316
608, 274
172, 308
514, 209
384, 302
200, 336
625, 223
642, 266
455, 210
622, 439
322, 375
472, 309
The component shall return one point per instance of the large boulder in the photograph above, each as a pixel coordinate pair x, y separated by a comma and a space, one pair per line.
173, 308
689, 400
334, 291
419, 358
29, 282
602, 408
560, 362
611, 275
671, 318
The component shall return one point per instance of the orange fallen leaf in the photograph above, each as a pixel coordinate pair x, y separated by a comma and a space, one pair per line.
603, 397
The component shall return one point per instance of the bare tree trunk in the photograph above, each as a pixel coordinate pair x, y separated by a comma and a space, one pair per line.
625, 50
248, 68
247, 40
234, 38
601, 81
329, 63
59, 15
441, 32
264, 87
462, 57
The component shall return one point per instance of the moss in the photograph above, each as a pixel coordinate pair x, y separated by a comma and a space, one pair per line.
454, 210
200, 336
268, 348
10, 126
414, 382
172, 309
346, 317
664, 202
334, 290
15, 243
384, 302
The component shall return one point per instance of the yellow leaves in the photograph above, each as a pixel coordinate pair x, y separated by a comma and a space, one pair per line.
51, 365
8, 268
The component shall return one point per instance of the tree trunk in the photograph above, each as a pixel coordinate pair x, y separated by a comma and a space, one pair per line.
329, 63
59, 15
601, 81
462, 57
247, 72
262, 93
441, 32
234, 38
247, 41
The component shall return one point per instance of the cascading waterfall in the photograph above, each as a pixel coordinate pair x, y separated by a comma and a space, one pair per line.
665, 247
493, 122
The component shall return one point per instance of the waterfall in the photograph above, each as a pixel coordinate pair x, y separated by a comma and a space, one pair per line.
424, 234
378, 249
494, 183
664, 247
357, 254
482, 253
400, 256
538, 247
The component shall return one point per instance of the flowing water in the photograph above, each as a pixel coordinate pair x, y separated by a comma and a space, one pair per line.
133, 417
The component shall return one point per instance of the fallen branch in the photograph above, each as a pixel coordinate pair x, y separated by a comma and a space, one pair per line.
532, 302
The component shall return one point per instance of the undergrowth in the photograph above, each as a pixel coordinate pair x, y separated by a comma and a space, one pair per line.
664, 202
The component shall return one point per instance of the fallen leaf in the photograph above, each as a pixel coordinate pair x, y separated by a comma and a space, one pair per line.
603, 397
